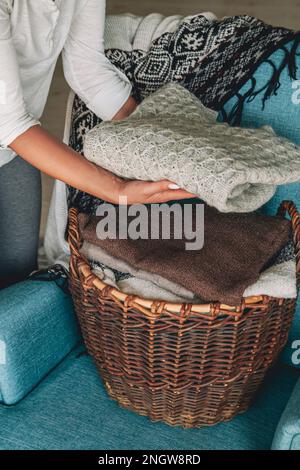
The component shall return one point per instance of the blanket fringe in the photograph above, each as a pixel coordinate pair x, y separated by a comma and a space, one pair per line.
234, 117
56, 273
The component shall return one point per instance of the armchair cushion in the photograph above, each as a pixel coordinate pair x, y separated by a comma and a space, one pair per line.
37, 330
70, 410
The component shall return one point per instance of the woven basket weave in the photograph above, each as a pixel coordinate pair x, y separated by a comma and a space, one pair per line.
187, 365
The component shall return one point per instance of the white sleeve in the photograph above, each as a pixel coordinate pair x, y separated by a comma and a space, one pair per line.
89, 73
14, 118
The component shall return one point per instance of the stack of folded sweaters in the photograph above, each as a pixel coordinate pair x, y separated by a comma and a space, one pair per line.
233, 171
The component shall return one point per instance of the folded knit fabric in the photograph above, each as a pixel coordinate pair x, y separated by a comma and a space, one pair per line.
131, 285
133, 280
277, 281
172, 135
237, 248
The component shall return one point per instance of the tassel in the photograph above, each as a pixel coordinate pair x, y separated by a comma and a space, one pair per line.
234, 118
274, 83
292, 64
271, 88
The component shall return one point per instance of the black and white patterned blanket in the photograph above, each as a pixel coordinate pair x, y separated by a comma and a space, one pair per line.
212, 59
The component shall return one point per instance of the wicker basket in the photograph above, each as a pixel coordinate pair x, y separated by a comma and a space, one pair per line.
187, 365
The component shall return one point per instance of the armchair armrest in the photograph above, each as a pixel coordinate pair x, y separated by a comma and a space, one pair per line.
287, 435
38, 328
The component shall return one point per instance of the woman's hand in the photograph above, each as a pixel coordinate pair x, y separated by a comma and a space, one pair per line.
144, 192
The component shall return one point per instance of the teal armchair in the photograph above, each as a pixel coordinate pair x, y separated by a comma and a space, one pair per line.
51, 396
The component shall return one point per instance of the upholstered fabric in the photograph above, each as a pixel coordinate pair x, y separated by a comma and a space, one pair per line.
287, 436
37, 330
71, 410
291, 353
281, 111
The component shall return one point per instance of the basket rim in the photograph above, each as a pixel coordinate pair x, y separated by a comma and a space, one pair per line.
80, 264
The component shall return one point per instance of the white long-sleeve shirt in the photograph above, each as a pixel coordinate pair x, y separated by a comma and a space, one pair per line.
32, 35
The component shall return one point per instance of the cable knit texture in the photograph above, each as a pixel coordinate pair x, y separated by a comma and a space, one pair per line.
172, 135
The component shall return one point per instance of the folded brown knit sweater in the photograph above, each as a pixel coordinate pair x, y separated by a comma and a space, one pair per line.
237, 248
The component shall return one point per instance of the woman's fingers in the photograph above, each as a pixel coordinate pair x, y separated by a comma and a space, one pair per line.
139, 192
166, 191
171, 195
152, 188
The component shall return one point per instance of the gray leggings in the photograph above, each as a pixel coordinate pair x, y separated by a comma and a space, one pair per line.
20, 209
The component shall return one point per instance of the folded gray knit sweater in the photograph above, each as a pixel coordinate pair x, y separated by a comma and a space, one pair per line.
172, 135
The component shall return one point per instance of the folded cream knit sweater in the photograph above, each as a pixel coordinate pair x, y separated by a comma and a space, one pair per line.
172, 135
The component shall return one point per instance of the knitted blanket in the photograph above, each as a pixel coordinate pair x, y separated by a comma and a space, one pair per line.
211, 58
173, 136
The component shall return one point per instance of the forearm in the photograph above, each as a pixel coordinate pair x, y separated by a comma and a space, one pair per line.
54, 158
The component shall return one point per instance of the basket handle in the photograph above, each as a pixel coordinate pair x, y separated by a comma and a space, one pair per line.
74, 236
290, 208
